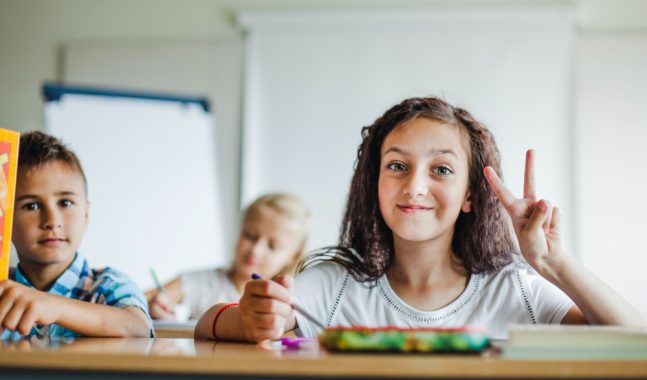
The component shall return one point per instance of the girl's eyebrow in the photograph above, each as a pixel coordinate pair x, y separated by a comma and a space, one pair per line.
432, 152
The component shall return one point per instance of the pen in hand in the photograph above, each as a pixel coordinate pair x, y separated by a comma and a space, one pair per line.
158, 284
298, 309
161, 292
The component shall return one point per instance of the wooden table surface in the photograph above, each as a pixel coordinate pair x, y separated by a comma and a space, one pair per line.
186, 356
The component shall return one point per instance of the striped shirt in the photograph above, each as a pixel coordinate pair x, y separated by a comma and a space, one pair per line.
105, 286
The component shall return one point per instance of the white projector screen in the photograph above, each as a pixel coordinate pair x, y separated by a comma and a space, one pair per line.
314, 79
152, 182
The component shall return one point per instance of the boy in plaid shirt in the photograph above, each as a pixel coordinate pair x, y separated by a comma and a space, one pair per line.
53, 291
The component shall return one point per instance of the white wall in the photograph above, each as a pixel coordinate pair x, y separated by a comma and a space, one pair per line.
611, 151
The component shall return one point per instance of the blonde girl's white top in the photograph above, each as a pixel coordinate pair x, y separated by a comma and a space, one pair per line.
513, 295
202, 289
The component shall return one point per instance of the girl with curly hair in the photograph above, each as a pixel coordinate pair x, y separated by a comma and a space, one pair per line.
426, 241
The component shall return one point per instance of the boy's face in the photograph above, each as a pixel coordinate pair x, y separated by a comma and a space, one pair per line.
51, 214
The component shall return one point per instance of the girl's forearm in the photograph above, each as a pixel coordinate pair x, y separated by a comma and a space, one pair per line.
599, 303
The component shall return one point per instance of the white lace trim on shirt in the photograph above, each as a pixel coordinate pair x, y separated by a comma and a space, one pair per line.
432, 316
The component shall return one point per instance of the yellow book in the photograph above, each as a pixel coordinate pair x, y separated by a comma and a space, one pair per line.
9, 141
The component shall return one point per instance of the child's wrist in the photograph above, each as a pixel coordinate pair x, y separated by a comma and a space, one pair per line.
219, 313
52, 304
555, 267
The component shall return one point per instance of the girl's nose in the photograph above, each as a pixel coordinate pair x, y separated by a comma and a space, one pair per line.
258, 248
416, 185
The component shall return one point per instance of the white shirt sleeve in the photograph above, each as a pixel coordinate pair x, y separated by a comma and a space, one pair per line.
316, 291
550, 303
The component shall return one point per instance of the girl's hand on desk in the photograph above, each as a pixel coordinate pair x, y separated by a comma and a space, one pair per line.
536, 223
21, 307
266, 308
160, 307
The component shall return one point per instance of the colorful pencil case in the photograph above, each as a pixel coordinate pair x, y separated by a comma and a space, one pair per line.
395, 339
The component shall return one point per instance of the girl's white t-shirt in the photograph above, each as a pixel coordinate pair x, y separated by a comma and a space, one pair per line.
513, 295
202, 289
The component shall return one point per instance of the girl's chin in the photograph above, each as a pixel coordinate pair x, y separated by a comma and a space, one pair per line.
416, 236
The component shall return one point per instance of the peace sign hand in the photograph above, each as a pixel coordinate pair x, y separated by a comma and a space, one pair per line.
536, 223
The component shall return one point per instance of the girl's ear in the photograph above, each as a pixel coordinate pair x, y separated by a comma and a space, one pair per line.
467, 203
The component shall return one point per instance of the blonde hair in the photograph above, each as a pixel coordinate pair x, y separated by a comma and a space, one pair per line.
290, 206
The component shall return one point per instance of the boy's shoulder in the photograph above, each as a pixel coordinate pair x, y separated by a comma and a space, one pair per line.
110, 273
97, 285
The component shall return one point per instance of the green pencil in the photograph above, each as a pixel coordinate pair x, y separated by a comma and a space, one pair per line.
158, 284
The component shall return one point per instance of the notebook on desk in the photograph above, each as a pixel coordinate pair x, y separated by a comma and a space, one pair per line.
575, 342
174, 329
170, 324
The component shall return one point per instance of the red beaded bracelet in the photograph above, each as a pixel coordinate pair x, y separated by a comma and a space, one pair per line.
215, 319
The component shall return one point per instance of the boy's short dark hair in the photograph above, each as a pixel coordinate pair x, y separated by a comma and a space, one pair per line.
38, 148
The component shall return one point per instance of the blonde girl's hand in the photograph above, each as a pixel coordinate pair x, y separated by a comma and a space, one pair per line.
536, 223
266, 308
160, 307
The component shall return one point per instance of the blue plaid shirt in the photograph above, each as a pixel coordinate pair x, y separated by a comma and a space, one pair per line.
105, 286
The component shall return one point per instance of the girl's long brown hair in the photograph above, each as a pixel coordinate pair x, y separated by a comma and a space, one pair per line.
482, 241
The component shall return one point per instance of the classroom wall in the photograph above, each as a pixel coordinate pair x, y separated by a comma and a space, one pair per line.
611, 131
33, 33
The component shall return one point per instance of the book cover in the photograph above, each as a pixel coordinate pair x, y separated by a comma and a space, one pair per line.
575, 342
9, 141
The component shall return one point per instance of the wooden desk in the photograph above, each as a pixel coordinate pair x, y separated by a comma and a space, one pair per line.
182, 358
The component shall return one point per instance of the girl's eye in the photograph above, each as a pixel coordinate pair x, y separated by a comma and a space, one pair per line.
397, 166
31, 206
249, 236
442, 170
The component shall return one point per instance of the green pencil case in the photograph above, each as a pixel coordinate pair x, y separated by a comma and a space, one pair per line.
395, 339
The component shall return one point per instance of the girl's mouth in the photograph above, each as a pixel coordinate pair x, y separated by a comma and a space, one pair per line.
413, 209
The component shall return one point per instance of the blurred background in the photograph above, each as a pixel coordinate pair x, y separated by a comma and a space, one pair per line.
291, 83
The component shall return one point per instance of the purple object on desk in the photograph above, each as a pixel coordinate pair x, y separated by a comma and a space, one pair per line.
297, 342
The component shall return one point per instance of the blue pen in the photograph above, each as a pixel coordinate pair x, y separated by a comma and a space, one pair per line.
298, 309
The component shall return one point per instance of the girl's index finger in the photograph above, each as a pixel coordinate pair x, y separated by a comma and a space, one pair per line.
269, 289
505, 196
529, 191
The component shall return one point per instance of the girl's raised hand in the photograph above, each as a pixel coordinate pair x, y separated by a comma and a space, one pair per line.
266, 308
536, 223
